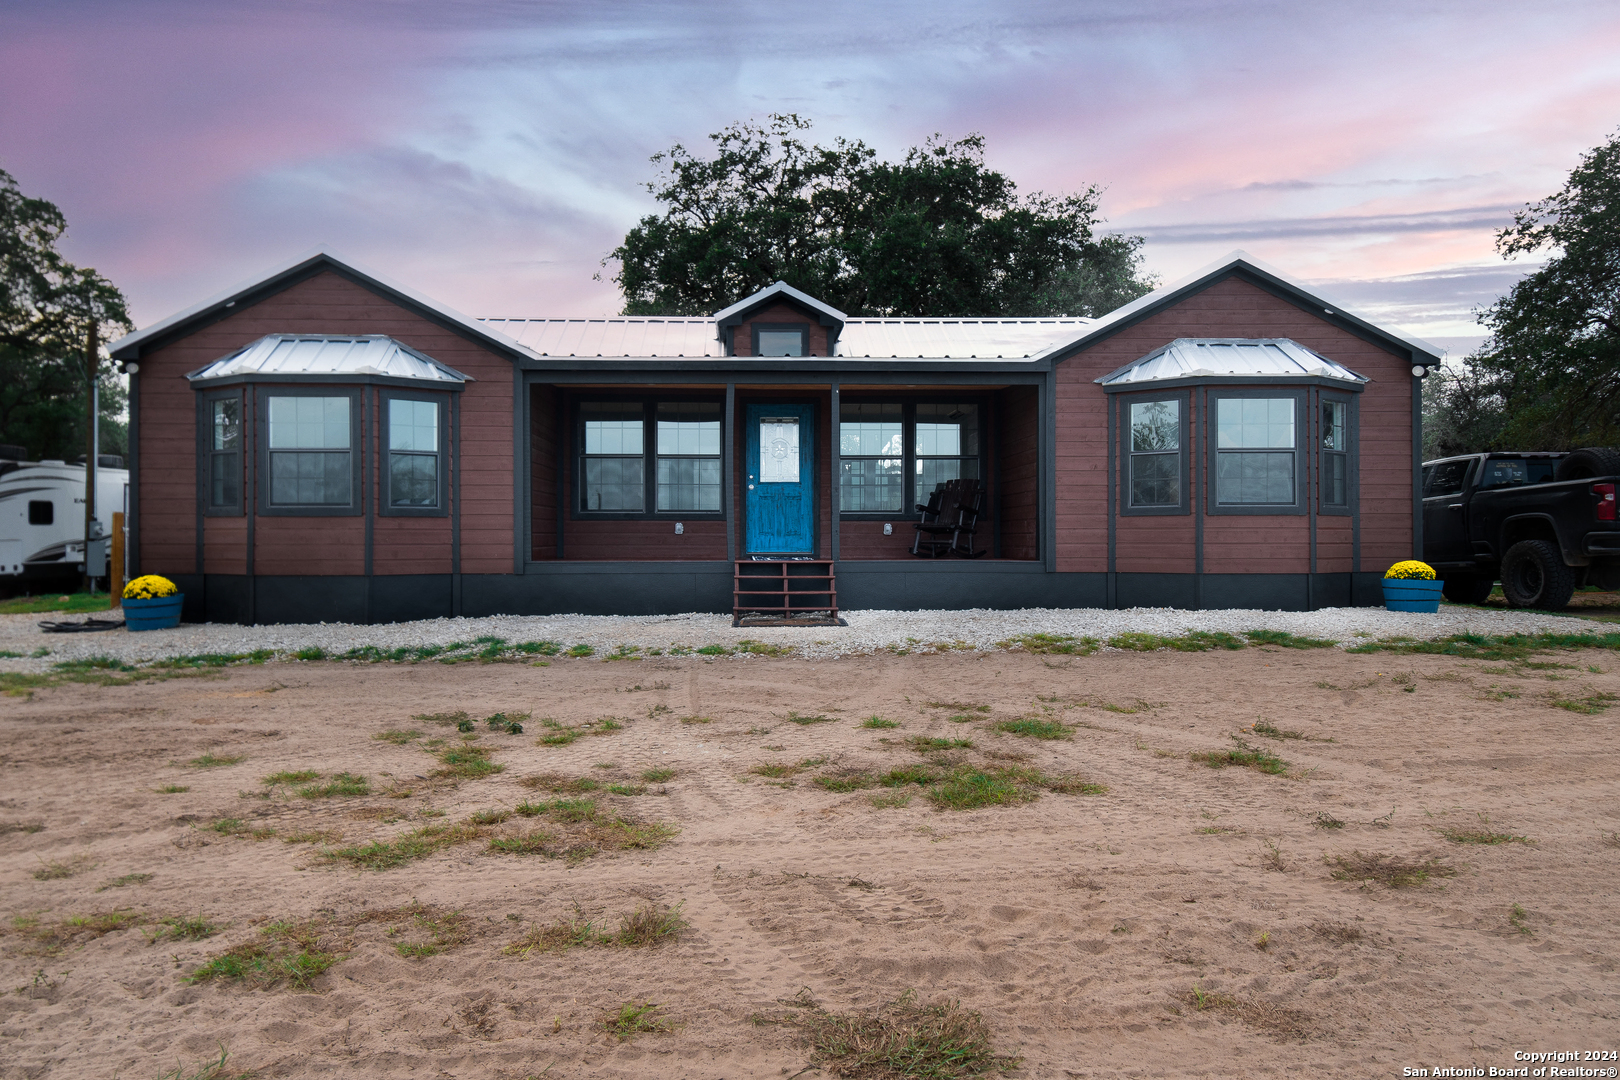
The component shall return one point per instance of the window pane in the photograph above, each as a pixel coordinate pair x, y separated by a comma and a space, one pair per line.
1257, 423
869, 439
934, 472
872, 485
1336, 480
1255, 478
1156, 425
223, 479
1449, 477
780, 342
689, 484
228, 424
948, 430
688, 428
305, 479
1333, 432
309, 423
1155, 479
615, 484
413, 425
612, 427
413, 480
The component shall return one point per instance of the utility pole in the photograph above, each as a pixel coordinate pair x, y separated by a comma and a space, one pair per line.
92, 370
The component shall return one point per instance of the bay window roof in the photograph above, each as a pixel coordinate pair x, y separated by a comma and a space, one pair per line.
1278, 359
327, 355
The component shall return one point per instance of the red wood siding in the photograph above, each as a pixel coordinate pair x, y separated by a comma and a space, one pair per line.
1233, 308
780, 314
225, 545
1333, 545
324, 304
1016, 462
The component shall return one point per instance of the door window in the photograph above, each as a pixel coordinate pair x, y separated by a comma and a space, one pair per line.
779, 450
1449, 478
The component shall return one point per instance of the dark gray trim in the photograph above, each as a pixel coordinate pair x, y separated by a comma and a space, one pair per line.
728, 470
250, 497
714, 370
357, 437
1212, 452
835, 477
1198, 494
563, 468
132, 520
1417, 467
201, 409
521, 491
1233, 380
1122, 403
1352, 452
803, 330
1046, 479
385, 454
368, 469
337, 380
455, 506
1355, 491
1113, 501
1313, 422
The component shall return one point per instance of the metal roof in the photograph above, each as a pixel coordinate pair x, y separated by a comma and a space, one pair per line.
770, 292
350, 354
660, 337
1191, 358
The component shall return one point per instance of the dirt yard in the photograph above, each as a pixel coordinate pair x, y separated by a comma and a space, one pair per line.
1406, 861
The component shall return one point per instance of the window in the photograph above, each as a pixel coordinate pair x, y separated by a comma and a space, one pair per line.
1446, 478
413, 454
613, 469
41, 512
781, 340
1255, 452
311, 451
1335, 454
871, 451
947, 446
1511, 472
689, 456
225, 453
1154, 433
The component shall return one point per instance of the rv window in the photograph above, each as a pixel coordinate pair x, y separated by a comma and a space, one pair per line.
41, 513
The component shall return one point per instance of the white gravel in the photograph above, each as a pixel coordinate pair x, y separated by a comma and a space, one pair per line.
867, 631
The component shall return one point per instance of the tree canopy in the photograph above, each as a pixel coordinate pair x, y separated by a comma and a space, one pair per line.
1548, 377
935, 234
47, 307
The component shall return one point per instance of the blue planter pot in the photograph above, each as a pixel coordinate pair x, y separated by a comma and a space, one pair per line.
1412, 595
158, 614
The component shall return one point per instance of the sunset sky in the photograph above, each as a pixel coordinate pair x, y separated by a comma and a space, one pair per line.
491, 153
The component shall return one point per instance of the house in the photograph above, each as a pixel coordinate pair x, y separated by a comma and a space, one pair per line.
323, 444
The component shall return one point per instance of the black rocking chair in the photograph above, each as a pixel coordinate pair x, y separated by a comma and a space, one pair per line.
949, 520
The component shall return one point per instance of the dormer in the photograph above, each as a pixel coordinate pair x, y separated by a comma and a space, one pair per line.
779, 321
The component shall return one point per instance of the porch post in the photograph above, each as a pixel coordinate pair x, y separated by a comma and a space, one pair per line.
727, 480
833, 450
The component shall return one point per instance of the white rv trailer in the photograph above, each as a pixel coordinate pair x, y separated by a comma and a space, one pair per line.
42, 520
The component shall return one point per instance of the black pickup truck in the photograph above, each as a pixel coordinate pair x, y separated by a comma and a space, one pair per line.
1542, 524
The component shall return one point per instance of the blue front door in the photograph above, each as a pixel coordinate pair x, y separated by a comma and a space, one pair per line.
779, 492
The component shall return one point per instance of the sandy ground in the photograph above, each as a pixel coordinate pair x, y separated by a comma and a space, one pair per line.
1079, 925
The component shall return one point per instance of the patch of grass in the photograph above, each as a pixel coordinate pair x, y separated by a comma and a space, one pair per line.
1073, 785
510, 724
537, 648
697, 719
341, 784
624, 652
649, 926
1245, 756
1191, 641
658, 776
56, 870
443, 719
211, 761
889, 800
559, 736
69, 602
1271, 731
184, 928
1283, 639
294, 953
970, 788
125, 881
589, 832
799, 718
878, 722
323, 836
627, 789
842, 783
928, 744
1337, 932
1482, 836
761, 648
314, 652
1283, 1023
581, 650
433, 929
398, 737
554, 782
7, 827
172, 789
899, 1039
635, 1018
53, 938
1325, 820
1518, 918
301, 776
775, 770
1491, 646
1394, 871
408, 847
212, 1069
1064, 644
1594, 702
467, 763
1031, 728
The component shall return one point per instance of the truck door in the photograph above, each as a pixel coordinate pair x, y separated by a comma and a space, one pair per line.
1445, 517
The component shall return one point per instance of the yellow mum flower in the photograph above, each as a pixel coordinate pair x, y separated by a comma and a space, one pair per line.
149, 587
1410, 570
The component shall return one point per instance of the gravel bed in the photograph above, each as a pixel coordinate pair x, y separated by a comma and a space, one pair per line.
867, 631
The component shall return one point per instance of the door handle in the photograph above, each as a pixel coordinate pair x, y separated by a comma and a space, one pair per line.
1455, 506
750, 487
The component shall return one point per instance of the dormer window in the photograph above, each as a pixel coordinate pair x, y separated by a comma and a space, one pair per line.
780, 340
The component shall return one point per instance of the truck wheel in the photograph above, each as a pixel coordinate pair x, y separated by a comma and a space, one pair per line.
1467, 590
1587, 463
1534, 576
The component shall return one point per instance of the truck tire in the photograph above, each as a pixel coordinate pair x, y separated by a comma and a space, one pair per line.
1587, 463
1467, 590
1534, 576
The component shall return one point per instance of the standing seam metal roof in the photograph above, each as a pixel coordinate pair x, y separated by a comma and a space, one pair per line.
1188, 358
349, 354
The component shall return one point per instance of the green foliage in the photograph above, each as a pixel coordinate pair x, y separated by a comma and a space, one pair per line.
288, 952
635, 1018
1244, 756
1032, 728
935, 234
1491, 646
1191, 641
879, 722
341, 784
70, 602
1549, 376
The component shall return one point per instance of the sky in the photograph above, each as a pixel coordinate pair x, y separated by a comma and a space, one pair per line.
490, 153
